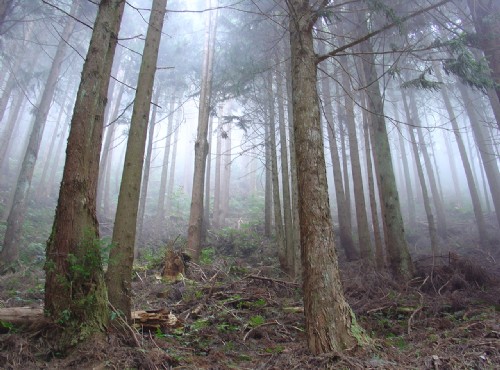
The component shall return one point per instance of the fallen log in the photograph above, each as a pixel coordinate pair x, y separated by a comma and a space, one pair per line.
22, 315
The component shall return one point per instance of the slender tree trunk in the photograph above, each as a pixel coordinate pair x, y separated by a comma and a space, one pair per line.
397, 249
75, 292
15, 220
285, 178
121, 256
278, 220
293, 172
145, 176
217, 181
436, 196
206, 208
379, 250
171, 175
364, 239
18, 102
428, 212
476, 205
330, 323
160, 210
484, 144
226, 177
201, 144
345, 231
7, 93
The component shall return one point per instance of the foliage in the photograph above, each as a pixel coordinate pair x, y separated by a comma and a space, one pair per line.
462, 62
421, 82
207, 256
256, 321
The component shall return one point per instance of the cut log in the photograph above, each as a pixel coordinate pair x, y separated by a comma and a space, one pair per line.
152, 320
22, 315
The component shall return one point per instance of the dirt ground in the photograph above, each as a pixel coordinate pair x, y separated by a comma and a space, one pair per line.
238, 311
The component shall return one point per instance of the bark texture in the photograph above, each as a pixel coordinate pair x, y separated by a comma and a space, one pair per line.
330, 323
75, 293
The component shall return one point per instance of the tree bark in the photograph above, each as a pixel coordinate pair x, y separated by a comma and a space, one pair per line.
75, 292
193, 246
330, 323
398, 254
121, 255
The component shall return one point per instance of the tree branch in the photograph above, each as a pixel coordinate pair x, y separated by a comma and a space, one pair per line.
369, 35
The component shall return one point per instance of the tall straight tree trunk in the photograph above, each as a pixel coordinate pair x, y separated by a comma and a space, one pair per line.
201, 145
145, 175
330, 323
206, 208
105, 163
173, 161
75, 292
15, 220
217, 181
6, 137
268, 186
285, 177
486, 151
364, 239
398, 254
379, 250
7, 93
278, 219
428, 212
476, 204
413, 116
293, 168
226, 176
345, 231
160, 209
121, 255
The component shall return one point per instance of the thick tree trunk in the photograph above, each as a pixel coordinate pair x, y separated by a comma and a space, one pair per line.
330, 323
15, 220
75, 292
121, 255
193, 246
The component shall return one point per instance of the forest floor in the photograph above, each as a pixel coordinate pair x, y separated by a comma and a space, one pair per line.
236, 310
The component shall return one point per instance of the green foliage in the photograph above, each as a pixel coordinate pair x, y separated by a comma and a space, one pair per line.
8, 326
462, 62
421, 82
207, 256
227, 327
275, 349
256, 321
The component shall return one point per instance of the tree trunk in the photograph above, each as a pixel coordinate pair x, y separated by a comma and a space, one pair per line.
476, 205
364, 240
75, 292
160, 210
428, 212
413, 117
271, 134
268, 187
6, 137
171, 175
330, 323
398, 254
145, 175
15, 220
285, 177
226, 177
121, 255
217, 181
379, 250
206, 207
484, 143
201, 145
344, 218
105, 163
